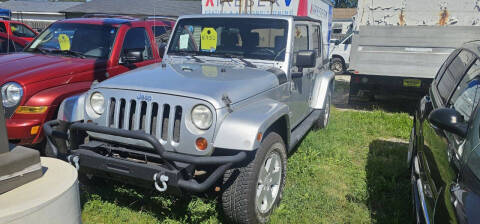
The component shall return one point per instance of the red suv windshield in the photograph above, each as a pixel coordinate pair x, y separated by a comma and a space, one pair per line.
70, 39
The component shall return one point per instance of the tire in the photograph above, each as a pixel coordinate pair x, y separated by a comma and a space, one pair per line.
61, 144
322, 122
337, 66
242, 185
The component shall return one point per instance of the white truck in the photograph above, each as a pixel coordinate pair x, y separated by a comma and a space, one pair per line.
340, 54
400, 45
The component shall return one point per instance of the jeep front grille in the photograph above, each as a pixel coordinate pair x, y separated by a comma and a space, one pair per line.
160, 120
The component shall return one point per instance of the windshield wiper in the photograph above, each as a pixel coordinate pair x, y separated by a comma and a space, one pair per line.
69, 52
245, 62
38, 49
191, 54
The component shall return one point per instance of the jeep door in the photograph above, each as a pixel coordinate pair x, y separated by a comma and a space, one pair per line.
439, 152
136, 39
300, 84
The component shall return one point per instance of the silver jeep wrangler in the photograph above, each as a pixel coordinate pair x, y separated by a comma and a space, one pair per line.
232, 97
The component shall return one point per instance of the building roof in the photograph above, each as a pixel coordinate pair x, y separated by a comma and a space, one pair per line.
37, 6
139, 7
344, 13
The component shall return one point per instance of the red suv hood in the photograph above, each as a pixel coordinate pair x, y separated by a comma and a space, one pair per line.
26, 68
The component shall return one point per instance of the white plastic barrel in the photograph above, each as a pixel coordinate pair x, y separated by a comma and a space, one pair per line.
53, 198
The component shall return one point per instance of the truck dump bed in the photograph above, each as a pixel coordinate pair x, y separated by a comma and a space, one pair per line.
406, 51
410, 38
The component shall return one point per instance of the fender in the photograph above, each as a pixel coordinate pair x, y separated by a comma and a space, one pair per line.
323, 82
54, 96
240, 128
72, 108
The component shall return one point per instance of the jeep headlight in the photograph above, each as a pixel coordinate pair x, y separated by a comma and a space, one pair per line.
97, 102
202, 116
12, 93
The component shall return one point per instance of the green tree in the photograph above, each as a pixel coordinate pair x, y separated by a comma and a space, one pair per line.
346, 3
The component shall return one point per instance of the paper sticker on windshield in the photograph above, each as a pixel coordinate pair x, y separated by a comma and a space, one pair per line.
209, 39
64, 42
184, 41
209, 71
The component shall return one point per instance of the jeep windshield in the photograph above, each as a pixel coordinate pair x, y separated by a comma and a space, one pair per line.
75, 40
250, 38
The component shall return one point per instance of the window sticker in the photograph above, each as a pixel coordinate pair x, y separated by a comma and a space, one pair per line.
209, 39
209, 71
64, 42
184, 41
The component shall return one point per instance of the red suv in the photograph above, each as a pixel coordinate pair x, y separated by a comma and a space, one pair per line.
11, 44
17, 29
65, 59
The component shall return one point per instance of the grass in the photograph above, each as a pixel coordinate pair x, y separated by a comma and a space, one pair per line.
352, 172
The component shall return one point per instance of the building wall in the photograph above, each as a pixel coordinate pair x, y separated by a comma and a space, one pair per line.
38, 21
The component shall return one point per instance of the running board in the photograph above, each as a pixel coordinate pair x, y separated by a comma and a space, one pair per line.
303, 128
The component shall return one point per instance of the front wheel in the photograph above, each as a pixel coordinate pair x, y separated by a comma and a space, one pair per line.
337, 66
253, 191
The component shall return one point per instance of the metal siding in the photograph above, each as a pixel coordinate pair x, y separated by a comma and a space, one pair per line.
416, 51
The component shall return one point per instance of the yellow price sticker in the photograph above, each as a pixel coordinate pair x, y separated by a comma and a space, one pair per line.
64, 42
209, 71
209, 39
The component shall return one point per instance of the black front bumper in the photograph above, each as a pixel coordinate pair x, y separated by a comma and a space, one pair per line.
140, 166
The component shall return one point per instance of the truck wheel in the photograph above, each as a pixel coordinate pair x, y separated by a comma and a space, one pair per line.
322, 122
337, 66
254, 190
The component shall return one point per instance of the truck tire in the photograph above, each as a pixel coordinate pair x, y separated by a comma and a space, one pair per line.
337, 66
322, 122
253, 191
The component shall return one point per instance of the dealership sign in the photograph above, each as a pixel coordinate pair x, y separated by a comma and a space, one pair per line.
317, 9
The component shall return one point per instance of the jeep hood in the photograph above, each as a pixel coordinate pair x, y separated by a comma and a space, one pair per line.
203, 81
26, 68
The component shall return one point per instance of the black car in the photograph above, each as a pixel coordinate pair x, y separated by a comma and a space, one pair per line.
444, 151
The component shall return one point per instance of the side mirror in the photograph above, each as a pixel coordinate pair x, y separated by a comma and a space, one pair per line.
132, 56
448, 119
161, 49
306, 59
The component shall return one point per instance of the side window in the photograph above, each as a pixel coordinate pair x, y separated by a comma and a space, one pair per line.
348, 41
6, 46
467, 95
137, 39
20, 30
317, 40
3, 29
453, 74
162, 33
301, 38
18, 47
445, 64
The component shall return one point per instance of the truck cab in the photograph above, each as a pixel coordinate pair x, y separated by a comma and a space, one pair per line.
340, 54
17, 29
233, 95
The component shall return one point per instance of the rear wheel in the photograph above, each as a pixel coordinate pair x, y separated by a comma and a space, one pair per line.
253, 191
